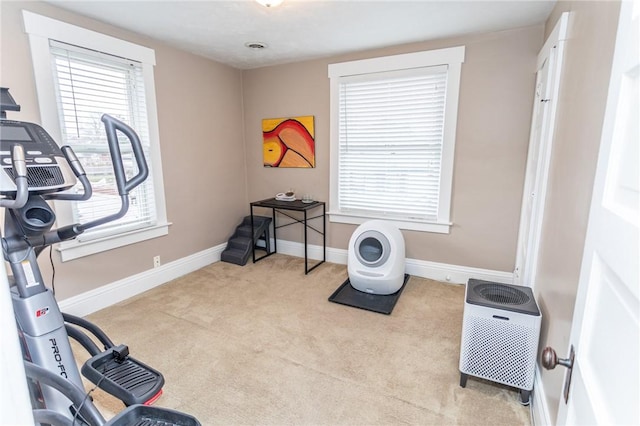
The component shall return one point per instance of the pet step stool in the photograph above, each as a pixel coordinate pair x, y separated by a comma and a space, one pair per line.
240, 245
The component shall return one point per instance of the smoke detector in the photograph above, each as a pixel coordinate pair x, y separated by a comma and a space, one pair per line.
256, 45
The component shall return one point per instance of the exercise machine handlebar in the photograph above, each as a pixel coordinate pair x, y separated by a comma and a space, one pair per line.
111, 125
22, 187
79, 172
124, 186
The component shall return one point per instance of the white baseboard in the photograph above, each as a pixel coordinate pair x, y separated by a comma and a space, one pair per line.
539, 408
454, 274
107, 295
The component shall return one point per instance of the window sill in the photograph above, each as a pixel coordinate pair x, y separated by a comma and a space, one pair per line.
75, 249
439, 228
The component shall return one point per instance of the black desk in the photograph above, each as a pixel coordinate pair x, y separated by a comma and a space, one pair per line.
282, 207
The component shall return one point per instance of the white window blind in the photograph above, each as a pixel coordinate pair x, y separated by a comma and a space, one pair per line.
393, 133
390, 142
89, 84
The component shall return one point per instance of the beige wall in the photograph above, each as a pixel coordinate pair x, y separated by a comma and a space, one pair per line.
581, 105
200, 116
496, 96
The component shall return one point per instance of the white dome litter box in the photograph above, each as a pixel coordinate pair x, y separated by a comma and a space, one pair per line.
376, 258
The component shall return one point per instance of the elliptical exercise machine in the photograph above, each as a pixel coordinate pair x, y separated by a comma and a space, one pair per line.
34, 170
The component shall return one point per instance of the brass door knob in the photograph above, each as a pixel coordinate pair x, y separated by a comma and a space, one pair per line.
550, 359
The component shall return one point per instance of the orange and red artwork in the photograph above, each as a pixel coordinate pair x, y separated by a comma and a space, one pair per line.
289, 142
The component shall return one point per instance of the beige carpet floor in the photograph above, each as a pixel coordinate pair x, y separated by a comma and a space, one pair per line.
261, 345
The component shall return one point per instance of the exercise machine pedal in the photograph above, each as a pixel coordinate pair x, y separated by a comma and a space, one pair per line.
124, 377
142, 415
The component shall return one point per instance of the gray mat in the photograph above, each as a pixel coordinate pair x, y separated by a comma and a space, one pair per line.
382, 304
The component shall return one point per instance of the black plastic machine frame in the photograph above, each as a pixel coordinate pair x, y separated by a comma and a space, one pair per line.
28, 178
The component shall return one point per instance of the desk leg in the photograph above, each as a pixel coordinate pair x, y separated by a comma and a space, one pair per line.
306, 269
324, 235
275, 237
253, 246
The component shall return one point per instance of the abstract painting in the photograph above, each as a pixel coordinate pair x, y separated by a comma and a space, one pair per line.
289, 142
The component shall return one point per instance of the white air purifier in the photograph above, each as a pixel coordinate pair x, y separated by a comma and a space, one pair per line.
376, 259
500, 332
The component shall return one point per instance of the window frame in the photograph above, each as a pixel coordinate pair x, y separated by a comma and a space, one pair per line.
40, 30
453, 58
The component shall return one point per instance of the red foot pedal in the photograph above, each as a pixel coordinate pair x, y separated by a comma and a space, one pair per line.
154, 398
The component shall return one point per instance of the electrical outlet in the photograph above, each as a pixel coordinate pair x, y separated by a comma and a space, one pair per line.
156, 261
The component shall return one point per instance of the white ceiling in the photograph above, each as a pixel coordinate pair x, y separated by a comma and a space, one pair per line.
305, 29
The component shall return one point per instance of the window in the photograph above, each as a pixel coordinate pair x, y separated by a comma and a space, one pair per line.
393, 122
81, 75
89, 84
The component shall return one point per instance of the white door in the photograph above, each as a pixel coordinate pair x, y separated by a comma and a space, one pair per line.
605, 332
549, 70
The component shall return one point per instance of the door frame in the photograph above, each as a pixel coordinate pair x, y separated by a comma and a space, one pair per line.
537, 173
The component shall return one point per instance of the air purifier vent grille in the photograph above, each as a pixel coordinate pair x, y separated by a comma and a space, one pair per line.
500, 351
502, 294
507, 297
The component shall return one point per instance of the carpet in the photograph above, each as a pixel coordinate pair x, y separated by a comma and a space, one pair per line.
260, 345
